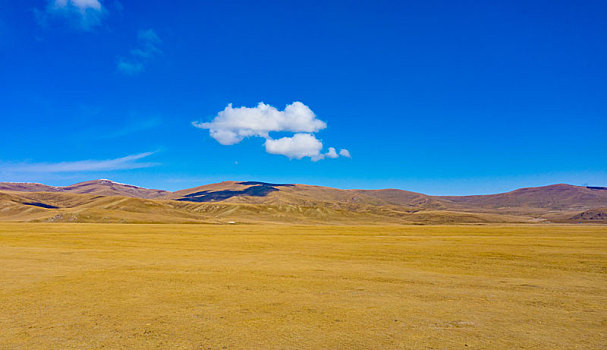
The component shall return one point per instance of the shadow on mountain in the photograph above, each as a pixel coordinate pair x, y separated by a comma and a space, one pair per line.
41, 205
257, 189
264, 184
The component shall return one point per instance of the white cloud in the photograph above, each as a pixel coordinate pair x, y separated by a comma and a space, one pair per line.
85, 14
148, 46
128, 162
298, 146
344, 153
232, 125
81, 5
332, 153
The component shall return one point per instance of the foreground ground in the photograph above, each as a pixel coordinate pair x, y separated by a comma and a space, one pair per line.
215, 287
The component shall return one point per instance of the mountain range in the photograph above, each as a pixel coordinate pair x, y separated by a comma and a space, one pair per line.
253, 201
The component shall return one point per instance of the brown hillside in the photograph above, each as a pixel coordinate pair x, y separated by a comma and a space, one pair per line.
266, 193
27, 187
71, 207
110, 188
598, 215
556, 197
406, 198
250, 201
100, 187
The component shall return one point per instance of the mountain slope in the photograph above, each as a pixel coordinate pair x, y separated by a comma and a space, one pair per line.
406, 198
250, 201
71, 207
110, 188
27, 187
267, 193
598, 215
100, 187
554, 197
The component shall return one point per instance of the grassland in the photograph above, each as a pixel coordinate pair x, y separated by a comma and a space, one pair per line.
276, 286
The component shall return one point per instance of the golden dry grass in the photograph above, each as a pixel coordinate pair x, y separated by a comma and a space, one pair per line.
90, 286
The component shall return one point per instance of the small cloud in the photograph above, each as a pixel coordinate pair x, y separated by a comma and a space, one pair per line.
130, 68
148, 46
149, 40
344, 153
298, 146
83, 14
232, 125
123, 163
331, 153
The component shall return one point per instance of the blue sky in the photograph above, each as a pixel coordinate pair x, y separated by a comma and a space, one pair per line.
439, 97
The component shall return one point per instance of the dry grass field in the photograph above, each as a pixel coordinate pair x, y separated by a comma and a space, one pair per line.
91, 286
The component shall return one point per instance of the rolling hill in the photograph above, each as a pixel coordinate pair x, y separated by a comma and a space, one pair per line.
101, 187
252, 201
598, 215
555, 197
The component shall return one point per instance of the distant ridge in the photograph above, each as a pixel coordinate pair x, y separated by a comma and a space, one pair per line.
558, 197
101, 187
27, 187
251, 201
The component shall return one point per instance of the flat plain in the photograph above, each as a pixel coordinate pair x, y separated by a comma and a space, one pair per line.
93, 286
